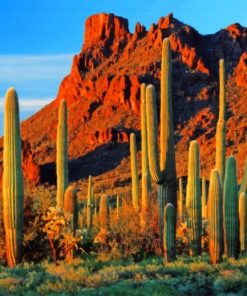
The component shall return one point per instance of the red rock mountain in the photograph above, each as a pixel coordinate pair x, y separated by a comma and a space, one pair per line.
103, 89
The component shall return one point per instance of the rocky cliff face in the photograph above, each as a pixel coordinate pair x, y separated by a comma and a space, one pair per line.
103, 89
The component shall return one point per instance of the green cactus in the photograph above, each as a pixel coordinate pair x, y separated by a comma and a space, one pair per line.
13, 200
204, 198
193, 199
243, 186
163, 172
169, 239
146, 179
134, 172
104, 212
221, 125
230, 210
70, 207
243, 221
62, 153
215, 218
90, 199
180, 199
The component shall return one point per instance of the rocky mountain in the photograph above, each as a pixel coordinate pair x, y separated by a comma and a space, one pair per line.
103, 89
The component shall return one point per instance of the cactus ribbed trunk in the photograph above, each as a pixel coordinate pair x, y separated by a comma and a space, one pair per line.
180, 199
204, 198
104, 212
215, 218
90, 198
70, 207
169, 239
221, 125
243, 186
193, 199
13, 200
146, 179
243, 221
230, 210
134, 172
62, 153
118, 205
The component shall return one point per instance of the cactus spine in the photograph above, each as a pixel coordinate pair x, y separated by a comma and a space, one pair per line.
70, 207
221, 125
146, 180
134, 172
243, 221
13, 201
180, 199
90, 203
163, 173
204, 198
169, 233
104, 212
193, 199
215, 218
230, 210
62, 153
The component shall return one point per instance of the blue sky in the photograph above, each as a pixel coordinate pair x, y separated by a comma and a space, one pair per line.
39, 37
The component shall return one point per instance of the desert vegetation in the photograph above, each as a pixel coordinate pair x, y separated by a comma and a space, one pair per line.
172, 238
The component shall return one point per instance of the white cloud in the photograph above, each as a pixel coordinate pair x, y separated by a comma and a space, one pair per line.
29, 104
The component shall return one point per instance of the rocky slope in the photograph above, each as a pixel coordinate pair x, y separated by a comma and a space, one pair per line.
103, 88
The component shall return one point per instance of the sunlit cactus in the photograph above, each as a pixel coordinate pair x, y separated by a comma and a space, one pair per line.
13, 195
70, 207
215, 218
146, 179
193, 199
243, 221
134, 172
90, 201
104, 211
243, 186
118, 205
163, 168
169, 239
204, 197
62, 153
230, 210
221, 125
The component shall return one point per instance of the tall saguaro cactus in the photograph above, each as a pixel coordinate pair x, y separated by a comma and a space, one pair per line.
180, 199
62, 153
243, 221
169, 239
204, 197
230, 210
90, 202
163, 168
221, 125
243, 186
215, 218
13, 200
146, 179
193, 199
134, 172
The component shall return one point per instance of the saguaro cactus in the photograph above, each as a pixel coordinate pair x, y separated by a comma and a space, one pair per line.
70, 207
118, 205
230, 210
193, 199
204, 198
243, 186
180, 199
12, 180
169, 233
163, 172
215, 218
90, 200
62, 153
221, 125
146, 179
243, 221
134, 172
104, 211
